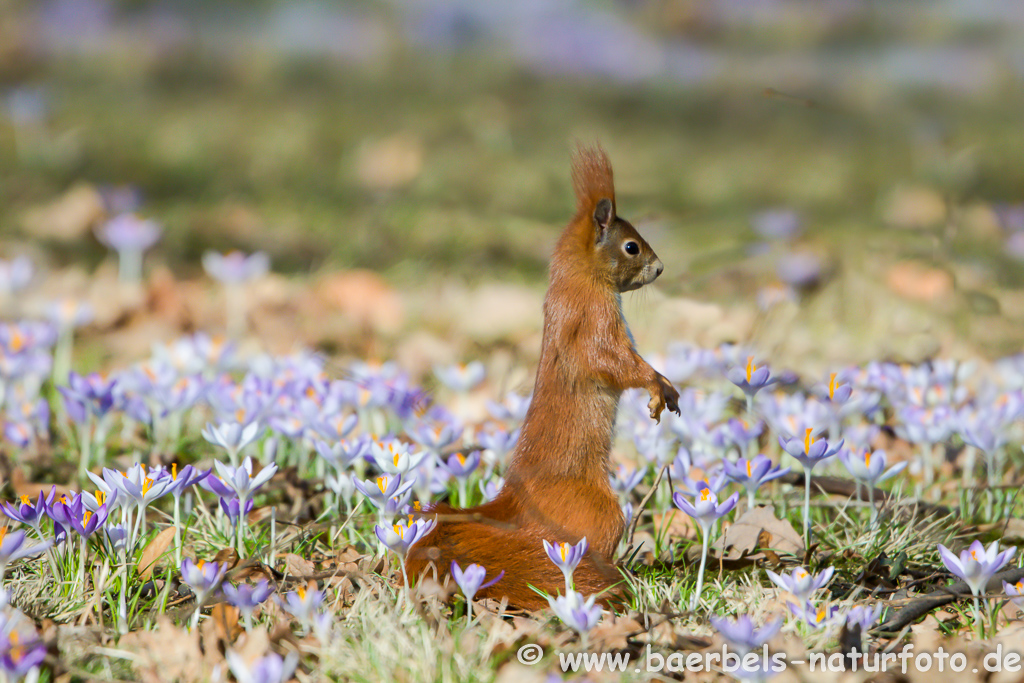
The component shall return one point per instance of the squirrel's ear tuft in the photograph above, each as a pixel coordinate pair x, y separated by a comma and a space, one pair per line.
604, 213
592, 179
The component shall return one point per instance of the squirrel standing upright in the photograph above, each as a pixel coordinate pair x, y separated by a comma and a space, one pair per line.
557, 486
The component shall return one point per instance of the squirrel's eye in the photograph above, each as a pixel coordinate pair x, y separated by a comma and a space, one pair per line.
631, 248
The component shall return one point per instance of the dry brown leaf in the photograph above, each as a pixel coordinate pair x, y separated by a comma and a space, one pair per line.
225, 620
153, 552
611, 634
297, 566
742, 537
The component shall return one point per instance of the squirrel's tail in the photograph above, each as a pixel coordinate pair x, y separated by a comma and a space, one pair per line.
485, 536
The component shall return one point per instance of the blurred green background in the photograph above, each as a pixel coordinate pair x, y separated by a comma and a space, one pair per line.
431, 138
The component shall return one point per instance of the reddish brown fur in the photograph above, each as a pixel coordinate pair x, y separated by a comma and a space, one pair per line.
556, 486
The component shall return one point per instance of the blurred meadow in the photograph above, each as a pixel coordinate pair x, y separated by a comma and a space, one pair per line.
428, 142
834, 186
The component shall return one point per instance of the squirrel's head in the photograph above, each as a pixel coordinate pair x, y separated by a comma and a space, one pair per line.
620, 253
624, 256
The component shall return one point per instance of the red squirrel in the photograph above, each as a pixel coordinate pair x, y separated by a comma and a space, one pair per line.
556, 486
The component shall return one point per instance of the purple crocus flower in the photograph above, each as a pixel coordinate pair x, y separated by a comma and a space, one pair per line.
203, 578
461, 378
232, 436
436, 437
21, 650
303, 604
67, 314
394, 457
27, 512
343, 453
400, 537
869, 467
15, 274
753, 473
234, 267
741, 633
235, 509
625, 479
246, 597
13, 547
335, 427
471, 581
566, 557
498, 441
128, 232
238, 481
383, 488
89, 521
809, 451
1015, 592
822, 617
801, 583
461, 466
271, 668
705, 508
129, 236
185, 479
777, 224
864, 616
693, 487
751, 379
92, 392
19, 433
976, 565
579, 614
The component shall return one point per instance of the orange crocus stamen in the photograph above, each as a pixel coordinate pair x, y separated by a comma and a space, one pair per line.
101, 497
563, 549
808, 440
749, 471
867, 458
705, 494
382, 483
751, 368
24, 499
832, 386
85, 516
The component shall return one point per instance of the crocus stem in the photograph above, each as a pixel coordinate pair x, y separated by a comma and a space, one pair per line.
700, 572
129, 266
122, 604
80, 579
750, 406
177, 531
84, 447
871, 502
235, 297
807, 509
979, 627
750, 499
195, 615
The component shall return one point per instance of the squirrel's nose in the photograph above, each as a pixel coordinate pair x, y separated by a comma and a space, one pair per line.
658, 267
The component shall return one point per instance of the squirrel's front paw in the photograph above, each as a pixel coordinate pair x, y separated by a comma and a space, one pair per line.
664, 396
